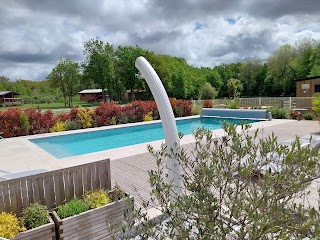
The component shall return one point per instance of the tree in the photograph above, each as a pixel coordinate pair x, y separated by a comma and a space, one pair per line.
66, 77
232, 190
98, 66
4, 79
248, 76
126, 58
234, 87
281, 69
208, 92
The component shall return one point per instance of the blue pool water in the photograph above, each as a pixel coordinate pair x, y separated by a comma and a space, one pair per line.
88, 142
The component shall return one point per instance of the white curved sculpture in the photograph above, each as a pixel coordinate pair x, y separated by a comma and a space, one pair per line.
167, 118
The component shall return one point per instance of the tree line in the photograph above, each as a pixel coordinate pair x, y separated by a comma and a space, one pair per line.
113, 70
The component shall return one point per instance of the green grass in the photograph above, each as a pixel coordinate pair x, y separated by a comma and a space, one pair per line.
57, 105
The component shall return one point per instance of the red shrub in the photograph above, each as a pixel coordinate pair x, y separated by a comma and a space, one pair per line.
46, 121
207, 104
10, 122
142, 108
62, 117
183, 108
104, 113
34, 120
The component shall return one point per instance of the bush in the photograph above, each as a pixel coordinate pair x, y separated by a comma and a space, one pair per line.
234, 104
208, 91
9, 225
316, 103
24, 122
308, 116
35, 215
59, 127
148, 117
84, 117
116, 194
73, 125
207, 104
72, 208
231, 189
279, 113
196, 109
97, 198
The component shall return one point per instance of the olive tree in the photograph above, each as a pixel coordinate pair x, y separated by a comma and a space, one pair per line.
239, 186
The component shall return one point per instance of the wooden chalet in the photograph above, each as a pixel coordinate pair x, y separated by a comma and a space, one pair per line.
8, 98
308, 86
91, 95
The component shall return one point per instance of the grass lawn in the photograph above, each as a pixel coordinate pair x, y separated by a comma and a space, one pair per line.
57, 105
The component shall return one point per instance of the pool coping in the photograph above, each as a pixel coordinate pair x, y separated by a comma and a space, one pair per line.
53, 163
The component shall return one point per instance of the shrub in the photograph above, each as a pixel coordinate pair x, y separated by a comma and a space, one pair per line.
72, 208
24, 122
207, 104
59, 127
316, 103
279, 113
113, 121
9, 225
84, 116
234, 104
308, 116
104, 113
196, 109
73, 125
148, 117
10, 122
230, 189
97, 198
116, 194
35, 215
208, 91
182, 108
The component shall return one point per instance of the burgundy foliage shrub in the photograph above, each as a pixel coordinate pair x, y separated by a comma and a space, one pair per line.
207, 104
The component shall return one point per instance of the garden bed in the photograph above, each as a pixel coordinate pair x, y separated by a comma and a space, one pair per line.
44, 232
94, 223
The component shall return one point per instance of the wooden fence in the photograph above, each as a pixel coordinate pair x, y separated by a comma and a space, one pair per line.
55, 187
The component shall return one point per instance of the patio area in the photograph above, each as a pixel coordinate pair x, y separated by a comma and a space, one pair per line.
130, 165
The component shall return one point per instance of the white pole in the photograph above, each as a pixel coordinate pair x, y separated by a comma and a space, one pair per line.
167, 118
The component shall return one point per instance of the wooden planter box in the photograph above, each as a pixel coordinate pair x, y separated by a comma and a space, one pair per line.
44, 232
92, 224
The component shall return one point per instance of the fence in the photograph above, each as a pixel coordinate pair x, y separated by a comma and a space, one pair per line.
268, 102
55, 187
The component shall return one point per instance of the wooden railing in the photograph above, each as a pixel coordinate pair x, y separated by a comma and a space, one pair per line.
55, 187
11, 101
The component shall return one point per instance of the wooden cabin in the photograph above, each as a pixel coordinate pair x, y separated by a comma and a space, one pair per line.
138, 94
91, 95
8, 98
308, 86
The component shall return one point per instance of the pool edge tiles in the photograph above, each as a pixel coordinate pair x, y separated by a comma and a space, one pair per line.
75, 144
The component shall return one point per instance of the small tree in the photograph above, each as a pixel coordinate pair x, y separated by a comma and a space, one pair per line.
234, 87
208, 92
236, 187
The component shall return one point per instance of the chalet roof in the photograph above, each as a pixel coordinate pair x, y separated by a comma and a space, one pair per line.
91, 91
2, 93
308, 78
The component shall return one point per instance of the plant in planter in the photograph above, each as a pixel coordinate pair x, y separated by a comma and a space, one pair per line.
37, 221
35, 215
96, 198
94, 223
10, 226
72, 208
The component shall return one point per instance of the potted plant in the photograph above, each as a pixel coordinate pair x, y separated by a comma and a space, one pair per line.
35, 223
93, 216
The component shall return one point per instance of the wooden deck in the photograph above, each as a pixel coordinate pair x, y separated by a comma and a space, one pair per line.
131, 173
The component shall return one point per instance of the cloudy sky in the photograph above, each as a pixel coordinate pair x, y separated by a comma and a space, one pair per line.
34, 34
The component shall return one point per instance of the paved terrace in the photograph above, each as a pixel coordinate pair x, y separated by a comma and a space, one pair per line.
129, 165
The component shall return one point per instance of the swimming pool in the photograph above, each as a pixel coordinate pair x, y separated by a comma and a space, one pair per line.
88, 142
